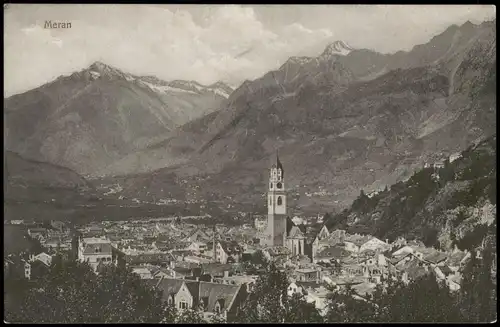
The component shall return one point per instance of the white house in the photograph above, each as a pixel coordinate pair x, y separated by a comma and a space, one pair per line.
197, 246
228, 251
17, 222
353, 243
376, 260
249, 280
195, 259
297, 220
95, 251
404, 250
374, 244
43, 257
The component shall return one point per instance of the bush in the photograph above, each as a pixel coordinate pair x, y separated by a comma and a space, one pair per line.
430, 236
461, 216
473, 239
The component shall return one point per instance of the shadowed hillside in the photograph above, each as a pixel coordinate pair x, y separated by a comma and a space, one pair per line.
446, 206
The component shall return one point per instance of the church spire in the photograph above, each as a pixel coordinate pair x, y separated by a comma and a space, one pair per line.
279, 165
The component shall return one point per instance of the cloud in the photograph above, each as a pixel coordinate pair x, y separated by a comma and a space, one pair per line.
41, 35
57, 42
206, 44
169, 44
31, 29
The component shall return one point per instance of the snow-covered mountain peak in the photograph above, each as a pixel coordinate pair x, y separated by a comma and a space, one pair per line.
299, 60
102, 68
337, 48
99, 70
221, 88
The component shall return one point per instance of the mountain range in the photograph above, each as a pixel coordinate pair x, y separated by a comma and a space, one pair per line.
346, 120
89, 119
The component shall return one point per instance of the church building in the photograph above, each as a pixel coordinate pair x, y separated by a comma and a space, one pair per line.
281, 230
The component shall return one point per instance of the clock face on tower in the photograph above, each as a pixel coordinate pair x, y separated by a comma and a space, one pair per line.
279, 185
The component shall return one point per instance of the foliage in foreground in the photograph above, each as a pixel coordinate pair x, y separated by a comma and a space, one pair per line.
269, 302
422, 300
71, 293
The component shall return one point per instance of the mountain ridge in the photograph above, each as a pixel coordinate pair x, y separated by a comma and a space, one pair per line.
95, 116
381, 128
366, 120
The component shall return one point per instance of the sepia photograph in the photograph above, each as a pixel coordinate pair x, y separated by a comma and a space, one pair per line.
195, 163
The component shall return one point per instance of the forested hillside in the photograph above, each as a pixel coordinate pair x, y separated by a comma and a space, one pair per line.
442, 206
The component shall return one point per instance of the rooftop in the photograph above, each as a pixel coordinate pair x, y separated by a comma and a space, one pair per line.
332, 251
306, 271
141, 271
357, 239
308, 285
98, 248
205, 293
95, 240
436, 257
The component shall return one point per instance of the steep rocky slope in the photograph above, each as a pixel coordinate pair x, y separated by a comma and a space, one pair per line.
443, 206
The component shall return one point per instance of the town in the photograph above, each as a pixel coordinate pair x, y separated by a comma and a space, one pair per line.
215, 266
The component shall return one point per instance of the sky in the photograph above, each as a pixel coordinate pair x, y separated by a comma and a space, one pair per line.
206, 43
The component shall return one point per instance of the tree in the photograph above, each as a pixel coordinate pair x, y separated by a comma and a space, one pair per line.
327, 217
478, 292
430, 236
264, 303
472, 239
35, 246
461, 216
123, 297
269, 302
189, 316
71, 293
217, 318
342, 306
298, 310
259, 259
423, 300
61, 296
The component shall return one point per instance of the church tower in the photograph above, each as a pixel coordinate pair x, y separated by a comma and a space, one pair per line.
276, 206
